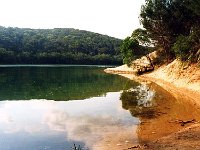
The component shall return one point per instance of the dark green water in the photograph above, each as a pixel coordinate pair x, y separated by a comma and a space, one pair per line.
53, 107
58, 82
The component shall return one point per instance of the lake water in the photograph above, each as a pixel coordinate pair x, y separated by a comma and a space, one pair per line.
55, 107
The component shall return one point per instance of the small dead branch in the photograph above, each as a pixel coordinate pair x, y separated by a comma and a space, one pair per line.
184, 122
133, 147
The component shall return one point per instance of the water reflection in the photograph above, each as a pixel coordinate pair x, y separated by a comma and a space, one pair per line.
58, 82
95, 123
139, 101
157, 109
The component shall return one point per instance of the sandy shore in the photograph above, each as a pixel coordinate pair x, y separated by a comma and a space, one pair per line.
172, 77
124, 69
183, 84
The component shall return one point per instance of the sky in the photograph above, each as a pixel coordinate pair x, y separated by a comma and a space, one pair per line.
116, 18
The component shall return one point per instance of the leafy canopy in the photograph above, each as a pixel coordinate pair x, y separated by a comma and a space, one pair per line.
171, 22
134, 47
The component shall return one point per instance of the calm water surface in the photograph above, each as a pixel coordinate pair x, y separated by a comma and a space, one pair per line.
54, 107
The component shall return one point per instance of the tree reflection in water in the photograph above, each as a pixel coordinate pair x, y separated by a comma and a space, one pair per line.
158, 109
139, 102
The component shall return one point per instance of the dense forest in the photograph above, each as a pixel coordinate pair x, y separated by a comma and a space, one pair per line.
172, 26
57, 46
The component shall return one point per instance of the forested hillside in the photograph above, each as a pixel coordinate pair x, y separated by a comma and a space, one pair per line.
57, 46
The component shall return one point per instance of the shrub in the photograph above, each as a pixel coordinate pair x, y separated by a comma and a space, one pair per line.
182, 47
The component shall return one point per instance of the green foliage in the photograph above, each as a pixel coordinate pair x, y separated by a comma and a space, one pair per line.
142, 37
187, 47
171, 21
128, 47
193, 5
135, 46
6, 55
57, 46
182, 47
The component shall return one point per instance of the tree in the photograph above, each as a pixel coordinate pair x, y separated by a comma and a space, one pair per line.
154, 15
187, 48
131, 49
141, 35
135, 46
166, 20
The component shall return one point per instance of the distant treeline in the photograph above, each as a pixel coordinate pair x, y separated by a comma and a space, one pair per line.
57, 46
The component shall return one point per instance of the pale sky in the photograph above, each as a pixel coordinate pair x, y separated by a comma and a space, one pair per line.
117, 18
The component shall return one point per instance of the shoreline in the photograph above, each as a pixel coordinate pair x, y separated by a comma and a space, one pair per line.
183, 84
185, 81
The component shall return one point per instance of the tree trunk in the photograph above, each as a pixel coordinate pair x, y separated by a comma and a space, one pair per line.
150, 61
